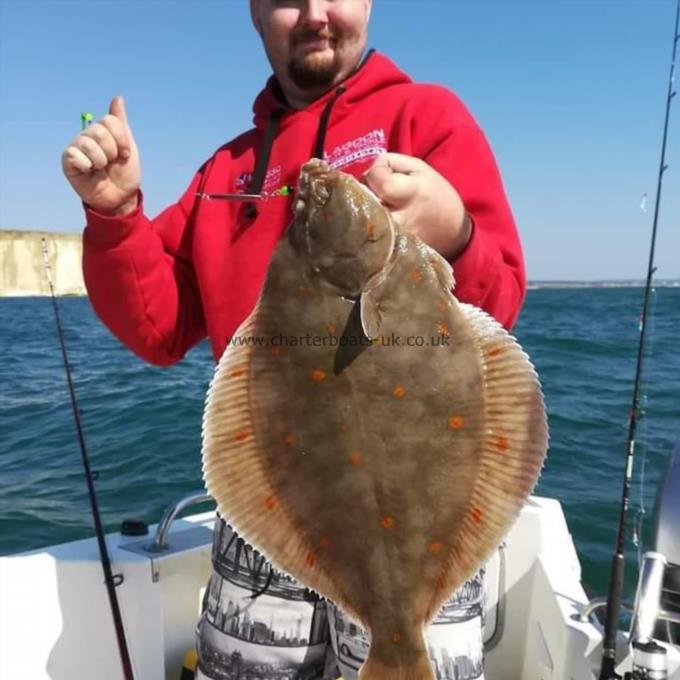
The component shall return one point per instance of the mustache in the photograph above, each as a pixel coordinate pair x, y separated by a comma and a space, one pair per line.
307, 34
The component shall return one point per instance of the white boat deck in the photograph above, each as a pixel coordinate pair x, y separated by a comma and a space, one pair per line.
55, 620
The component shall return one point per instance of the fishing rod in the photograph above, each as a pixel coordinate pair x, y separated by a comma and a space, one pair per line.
607, 669
89, 476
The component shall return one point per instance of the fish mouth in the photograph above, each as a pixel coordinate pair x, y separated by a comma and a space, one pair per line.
313, 186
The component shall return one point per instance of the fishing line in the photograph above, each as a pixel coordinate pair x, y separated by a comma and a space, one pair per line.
607, 669
638, 522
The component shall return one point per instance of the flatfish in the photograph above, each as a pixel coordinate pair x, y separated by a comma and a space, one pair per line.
365, 431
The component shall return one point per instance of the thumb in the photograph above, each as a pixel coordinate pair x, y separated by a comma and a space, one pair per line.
117, 109
393, 187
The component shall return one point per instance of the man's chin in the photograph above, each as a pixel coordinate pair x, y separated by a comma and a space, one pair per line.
315, 71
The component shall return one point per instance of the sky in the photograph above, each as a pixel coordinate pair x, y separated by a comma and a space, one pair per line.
570, 94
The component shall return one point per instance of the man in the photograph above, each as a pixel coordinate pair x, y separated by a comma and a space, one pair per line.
162, 285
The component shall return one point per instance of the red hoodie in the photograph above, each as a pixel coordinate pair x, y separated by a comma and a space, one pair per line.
162, 285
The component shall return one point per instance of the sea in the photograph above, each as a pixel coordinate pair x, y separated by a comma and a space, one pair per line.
142, 424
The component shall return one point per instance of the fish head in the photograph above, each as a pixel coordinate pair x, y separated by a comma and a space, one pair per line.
341, 229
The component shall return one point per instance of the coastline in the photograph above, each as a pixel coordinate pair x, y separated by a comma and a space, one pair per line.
606, 283
23, 272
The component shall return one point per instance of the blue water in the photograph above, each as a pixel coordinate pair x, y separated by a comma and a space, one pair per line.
142, 424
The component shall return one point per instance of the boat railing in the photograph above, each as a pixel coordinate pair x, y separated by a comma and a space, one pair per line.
601, 603
160, 539
595, 604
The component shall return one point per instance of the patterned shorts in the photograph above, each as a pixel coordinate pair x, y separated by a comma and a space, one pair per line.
260, 624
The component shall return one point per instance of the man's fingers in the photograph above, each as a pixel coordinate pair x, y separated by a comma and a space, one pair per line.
401, 163
75, 162
92, 150
103, 137
393, 188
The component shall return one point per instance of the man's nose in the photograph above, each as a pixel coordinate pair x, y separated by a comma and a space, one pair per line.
315, 13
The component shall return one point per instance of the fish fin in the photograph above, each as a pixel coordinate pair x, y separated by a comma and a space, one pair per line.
511, 454
371, 317
442, 269
418, 668
232, 455
369, 302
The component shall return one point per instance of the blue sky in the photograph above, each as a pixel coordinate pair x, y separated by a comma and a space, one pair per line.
570, 93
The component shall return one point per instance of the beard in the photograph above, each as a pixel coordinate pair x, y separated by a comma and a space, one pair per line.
314, 71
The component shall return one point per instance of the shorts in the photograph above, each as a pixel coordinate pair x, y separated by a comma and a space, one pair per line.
260, 624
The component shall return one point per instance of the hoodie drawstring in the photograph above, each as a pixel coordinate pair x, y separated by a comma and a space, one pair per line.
263, 160
272, 129
270, 133
323, 123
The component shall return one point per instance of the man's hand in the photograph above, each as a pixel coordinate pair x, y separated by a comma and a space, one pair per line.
419, 198
102, 163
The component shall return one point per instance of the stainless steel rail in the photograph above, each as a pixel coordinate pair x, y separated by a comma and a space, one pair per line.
601, 602
592, 606
159, 542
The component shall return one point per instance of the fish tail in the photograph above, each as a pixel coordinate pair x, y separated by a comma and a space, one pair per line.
418, 667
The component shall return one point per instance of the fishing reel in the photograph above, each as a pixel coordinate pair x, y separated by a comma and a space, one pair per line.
649, 662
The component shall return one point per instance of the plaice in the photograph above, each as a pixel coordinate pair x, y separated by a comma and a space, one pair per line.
365, 431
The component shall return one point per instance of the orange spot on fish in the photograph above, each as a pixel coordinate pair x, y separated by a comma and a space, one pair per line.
370, 229
396, 638
303, 290
270, 502
291, 439
416, 276
332, 330
355, 458
443, 329
456, 422
242, 435
310, 559
399, 391
387, 522
441, 304
343, 427
276, 351
324, 541
476, 515
318, 375
435, 547
494, 352
237, 372
502, 443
